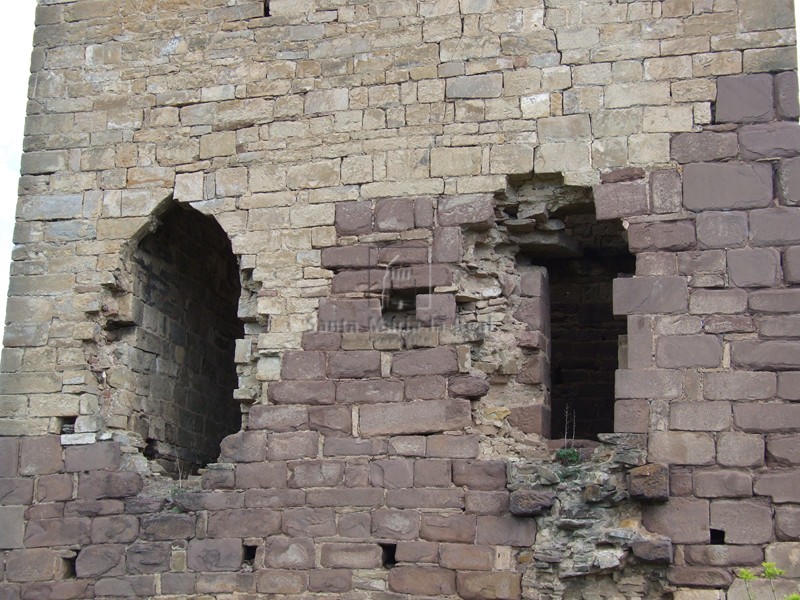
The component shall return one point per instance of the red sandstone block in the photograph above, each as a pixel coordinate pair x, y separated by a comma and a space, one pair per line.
665, 191
330, 580
9, 456
736, 449
631, 416
353, 447
754, 267
652, 383
743, 521
351, 556
92, 508
739, 385
789, 181
766, 355
321, 340
745, 99
480, 474
302, 392
448, 528
726, 186
217, 500
705, 302
331, 421
369, 391
57, 532
260, 475
782, 485
289, 553
104, 560
349, 257
118, 529
659, 237
353, 218
407, 445
471, 211
103, 484
531, 419
414, 252
681, 351
277, 418
467, 557
433, 361
34, 565
787, 522
218, 479
394, 214
767, 417
506, 531
785, 555
313, 522
422, 581
223, 554
103, 455
769, 140
432, 473
722, 484
775, 226
394, 524
681, 448
345, 497
419, 277
718, 229
425, 498
299, 444
704, 146
468, 386
40, 455
487, 503
423, 416
276, 581
489, 586
349, 314
783, 450
534, 312
649, 483
303, 365
723, 555
391, 474
683, 520
17, 490
417, 552
244, 522
167, 526
789, 385
791, 264
316, 473
623, 199
423, 212
650, 295
70, 589
141, 559
433, 310
354, 364
256, 498
244, 446
354, 525
447, 245
777, 301
53, 488
361, 280
786, 96
702, 577
700, 416
217, 583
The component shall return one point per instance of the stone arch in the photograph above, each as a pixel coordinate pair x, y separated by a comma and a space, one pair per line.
171, 347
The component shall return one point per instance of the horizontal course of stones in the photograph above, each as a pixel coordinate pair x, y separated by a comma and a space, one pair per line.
713, 377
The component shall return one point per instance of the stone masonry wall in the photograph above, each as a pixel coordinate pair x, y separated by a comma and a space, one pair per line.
402, 183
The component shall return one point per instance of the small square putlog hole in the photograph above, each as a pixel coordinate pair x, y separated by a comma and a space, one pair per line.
389, 555
717, 537
249, 555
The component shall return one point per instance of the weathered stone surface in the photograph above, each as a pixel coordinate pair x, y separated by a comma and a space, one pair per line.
744, 99
789, 181
766, 417
726, 186
739, 385
721, 229
654, 383
704, 146
448, 528
646, 295
682, 520
770, 140
735, 449
40, 455
649, 482
666, 191
678, 351
782, 486
722, 484
506, 531
245, 446
700, 416
475, 86
775, 355
166, 526
702, 577
775, 226
474, 212
434, 361
743, 521
351, 556
100, 560
681, 448
426, 581
656, 551
530, 503
302, 392
624, 199
224, 554
486, 586
395, 524
423, 416
656, 237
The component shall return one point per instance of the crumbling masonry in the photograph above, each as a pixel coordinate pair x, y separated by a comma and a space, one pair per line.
306, 295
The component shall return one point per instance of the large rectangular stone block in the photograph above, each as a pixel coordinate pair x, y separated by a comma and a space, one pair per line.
775, 226
700, 416
727, 186
681, 448
424, 416
770, 355
745, 99
767, 417
683, 520
475, 86
653, 383
739, 385
433, 361
770, 140
682, 351
650, 295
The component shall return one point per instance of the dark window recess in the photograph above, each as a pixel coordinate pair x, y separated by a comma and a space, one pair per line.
266, 8
68, 567
186, 286
389, 555
68, 424
249, 555
399, 309
717, 537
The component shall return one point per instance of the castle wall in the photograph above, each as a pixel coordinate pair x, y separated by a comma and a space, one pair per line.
418, 195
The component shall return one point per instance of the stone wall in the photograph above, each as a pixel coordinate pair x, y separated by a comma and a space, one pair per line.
419, 196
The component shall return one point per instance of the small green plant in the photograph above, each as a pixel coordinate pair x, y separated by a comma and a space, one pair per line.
568, 456
771, 573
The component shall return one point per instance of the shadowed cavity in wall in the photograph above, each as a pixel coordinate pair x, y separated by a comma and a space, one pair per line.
186, 281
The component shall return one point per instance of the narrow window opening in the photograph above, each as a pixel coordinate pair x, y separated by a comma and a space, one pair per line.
186, 289
389, 555
266, 8
68, 568
717, 537
249, 555
68, 424
399, 309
